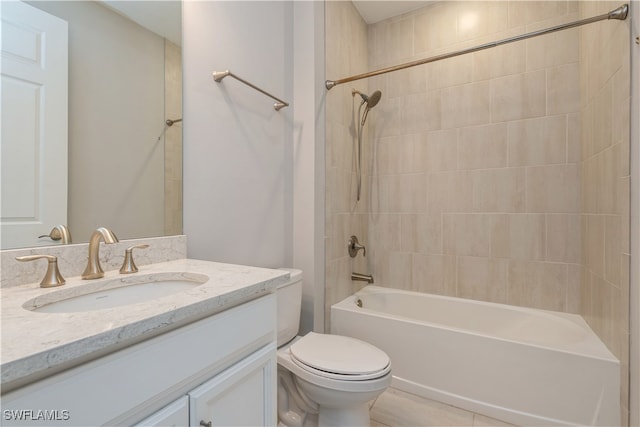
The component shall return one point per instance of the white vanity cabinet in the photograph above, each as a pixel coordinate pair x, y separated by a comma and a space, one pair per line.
221, 369
240, 396
175, 414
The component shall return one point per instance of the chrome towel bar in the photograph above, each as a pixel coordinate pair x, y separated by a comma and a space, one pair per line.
219, 75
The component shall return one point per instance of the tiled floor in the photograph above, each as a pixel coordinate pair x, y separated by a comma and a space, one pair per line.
396, 408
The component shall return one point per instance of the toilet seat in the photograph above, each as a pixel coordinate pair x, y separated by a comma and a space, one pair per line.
339, 357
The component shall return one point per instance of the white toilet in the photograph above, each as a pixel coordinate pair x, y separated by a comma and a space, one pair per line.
328, 378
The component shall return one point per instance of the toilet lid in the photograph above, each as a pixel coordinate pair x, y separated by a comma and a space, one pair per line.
336, 354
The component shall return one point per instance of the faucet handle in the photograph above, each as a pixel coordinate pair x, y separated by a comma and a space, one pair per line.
128, 266
354, 246
52, 277
59, 232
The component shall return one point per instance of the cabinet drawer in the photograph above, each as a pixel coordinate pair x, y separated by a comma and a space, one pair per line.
138, 380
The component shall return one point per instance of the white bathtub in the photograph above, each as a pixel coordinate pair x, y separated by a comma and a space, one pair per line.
520, 365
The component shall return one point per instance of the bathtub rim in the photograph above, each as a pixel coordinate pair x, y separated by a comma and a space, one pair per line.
601, 351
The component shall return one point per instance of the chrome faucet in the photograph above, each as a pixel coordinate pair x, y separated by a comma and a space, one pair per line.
94, 270
362, 277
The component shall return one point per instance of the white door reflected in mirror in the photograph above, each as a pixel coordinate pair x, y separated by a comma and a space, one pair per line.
34, 124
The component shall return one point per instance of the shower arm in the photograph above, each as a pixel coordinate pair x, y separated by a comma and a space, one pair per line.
170, 122
620, 14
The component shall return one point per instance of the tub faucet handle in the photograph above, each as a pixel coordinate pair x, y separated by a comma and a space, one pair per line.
354, 246
52, 277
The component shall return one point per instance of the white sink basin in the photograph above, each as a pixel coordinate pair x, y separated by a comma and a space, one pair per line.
115, 292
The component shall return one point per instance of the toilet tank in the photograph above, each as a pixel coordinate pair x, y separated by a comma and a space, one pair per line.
289, 302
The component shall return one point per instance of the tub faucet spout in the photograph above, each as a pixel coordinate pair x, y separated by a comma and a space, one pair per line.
362, 277
94, 269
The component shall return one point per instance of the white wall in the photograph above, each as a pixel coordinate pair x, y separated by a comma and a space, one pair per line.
254, 177
309, 159
237, 148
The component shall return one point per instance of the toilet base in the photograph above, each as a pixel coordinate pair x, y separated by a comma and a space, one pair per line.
336, 417
303, 394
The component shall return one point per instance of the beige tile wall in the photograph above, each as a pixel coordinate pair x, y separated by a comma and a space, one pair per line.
346, 47
501, 175
605, 88
483, 171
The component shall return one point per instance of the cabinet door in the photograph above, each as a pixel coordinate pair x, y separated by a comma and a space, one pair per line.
242, 395
175, 414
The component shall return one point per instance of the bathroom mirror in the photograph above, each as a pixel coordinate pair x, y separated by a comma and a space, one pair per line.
124, 83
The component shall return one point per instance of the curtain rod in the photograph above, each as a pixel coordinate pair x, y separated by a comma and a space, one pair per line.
620, 14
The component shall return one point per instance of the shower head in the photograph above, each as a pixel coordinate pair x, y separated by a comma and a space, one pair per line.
374, 99
371, 101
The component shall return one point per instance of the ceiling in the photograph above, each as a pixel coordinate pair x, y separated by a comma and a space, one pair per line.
373, 11
164, 17
161, 17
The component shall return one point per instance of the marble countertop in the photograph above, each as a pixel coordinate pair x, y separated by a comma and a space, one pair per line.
36, 345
